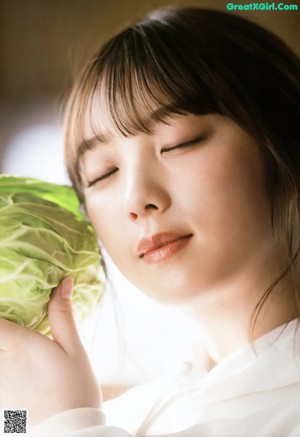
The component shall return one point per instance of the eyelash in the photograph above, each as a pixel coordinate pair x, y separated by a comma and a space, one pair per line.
101, 178
163, 151
183, 145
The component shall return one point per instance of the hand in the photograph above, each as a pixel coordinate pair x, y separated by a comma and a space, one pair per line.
42, 375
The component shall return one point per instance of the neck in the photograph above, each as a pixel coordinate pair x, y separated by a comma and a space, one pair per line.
226, 314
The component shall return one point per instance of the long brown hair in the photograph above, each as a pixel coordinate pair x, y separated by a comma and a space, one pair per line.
192, 60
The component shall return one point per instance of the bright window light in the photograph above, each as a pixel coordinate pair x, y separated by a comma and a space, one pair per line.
36, 151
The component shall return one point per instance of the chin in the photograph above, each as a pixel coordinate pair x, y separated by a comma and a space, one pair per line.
172, 292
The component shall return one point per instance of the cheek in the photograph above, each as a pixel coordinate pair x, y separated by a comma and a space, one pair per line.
226, 192
107, 220
103, 218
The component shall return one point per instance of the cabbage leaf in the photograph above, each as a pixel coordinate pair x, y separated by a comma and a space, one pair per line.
44, 237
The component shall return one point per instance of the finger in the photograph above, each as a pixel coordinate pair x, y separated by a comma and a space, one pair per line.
61, 319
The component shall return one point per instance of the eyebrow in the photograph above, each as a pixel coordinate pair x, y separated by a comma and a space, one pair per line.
91, 144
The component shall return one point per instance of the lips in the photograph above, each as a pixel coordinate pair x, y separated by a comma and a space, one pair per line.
160, 246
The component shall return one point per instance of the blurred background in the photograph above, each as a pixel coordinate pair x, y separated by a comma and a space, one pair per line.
43, 44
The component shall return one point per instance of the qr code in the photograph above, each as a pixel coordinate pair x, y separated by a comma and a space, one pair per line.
15, 421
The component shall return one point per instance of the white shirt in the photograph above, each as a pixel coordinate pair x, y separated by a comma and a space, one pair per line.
253, 392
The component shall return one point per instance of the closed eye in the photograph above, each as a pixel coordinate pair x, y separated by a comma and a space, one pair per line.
101, 177
179, 146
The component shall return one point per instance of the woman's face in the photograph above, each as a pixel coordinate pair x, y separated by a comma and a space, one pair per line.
183, 210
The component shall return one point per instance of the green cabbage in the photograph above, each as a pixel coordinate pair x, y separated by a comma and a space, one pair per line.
44, 238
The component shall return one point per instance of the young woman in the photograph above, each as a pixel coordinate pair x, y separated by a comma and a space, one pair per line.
182, 140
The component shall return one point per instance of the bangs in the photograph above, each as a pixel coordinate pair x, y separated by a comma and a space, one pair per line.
139, 80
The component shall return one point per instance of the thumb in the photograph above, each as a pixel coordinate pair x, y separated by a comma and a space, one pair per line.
60, 314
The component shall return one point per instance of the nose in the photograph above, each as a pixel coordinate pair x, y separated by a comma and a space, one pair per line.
146, 194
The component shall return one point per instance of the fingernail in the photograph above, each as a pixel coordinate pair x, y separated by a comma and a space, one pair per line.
66, 288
